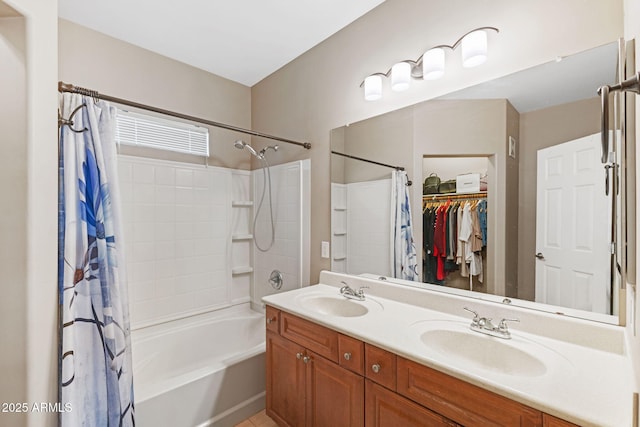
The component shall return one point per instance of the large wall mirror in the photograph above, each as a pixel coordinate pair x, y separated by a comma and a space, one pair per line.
549, 212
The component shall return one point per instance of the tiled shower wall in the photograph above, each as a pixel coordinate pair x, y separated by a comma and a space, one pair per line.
291, 212
176, 220
187, 231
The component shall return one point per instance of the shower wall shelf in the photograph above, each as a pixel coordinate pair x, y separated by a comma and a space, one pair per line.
242, 237
241, 270
339, 227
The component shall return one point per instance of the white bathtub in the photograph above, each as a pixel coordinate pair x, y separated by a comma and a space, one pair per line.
207, 370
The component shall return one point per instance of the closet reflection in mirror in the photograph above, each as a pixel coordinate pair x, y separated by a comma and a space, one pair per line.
531, 130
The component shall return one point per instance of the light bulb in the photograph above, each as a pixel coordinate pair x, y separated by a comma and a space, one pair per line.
400, 76
373, 87
433, 64
474, 48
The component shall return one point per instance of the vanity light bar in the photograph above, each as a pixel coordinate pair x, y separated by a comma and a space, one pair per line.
430, 65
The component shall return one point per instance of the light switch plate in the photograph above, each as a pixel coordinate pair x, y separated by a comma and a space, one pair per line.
512, 147
324, 250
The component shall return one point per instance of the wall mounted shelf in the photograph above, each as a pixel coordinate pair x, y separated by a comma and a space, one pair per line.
242, 203
241, 270
238, 237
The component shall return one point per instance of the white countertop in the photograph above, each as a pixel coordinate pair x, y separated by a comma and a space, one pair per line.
588, 378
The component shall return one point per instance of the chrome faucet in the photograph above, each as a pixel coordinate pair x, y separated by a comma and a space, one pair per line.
485, 325
348, 292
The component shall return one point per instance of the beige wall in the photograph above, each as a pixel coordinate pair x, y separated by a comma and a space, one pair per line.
386, 139
13, 219
541, 129
29, 157
320, 90
113, 67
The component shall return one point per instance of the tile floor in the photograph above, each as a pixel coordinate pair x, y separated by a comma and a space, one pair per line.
258, 420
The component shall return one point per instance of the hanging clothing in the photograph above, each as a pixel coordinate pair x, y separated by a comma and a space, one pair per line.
96, 367
430, 261
404, 255
453, 238
482, 216
440, 243
474, 257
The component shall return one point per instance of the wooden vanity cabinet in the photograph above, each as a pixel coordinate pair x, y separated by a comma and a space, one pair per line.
306, 386
319, 377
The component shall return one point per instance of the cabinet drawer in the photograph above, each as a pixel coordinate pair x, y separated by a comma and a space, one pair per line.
380, 366
459, 401
272, 319
351, 354
314, 337
386, 408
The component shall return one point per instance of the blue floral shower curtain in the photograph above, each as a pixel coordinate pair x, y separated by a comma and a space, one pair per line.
404, 262
96, 380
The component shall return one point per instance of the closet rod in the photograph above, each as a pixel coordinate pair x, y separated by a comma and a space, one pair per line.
445, 196
67, 87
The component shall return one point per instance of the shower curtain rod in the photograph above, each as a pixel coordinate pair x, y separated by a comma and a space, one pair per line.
67, 87
398, 168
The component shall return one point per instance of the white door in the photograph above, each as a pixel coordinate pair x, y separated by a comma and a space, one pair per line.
573, 227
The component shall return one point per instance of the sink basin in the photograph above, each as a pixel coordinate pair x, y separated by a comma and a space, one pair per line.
337, 305
484, 352
454, 343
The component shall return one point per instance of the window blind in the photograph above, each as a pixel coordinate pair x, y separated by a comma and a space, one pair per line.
155, 132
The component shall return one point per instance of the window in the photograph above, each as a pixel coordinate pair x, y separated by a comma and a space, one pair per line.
155, 132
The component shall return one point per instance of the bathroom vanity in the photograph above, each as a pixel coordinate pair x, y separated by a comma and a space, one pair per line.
406, 360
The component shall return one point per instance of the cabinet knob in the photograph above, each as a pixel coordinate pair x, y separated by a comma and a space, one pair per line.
307, 359
270, 320
347, 356
375, 368
298, 356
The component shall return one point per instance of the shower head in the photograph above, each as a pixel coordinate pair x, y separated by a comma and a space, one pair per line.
240, 144
272, 147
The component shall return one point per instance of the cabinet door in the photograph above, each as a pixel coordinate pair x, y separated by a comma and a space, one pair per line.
460, 401
285, 381
387, 409
335, 396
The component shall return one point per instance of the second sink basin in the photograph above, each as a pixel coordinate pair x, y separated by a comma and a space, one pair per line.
337, 305
456, 343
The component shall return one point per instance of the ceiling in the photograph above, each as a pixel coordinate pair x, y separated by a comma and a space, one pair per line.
241, 40
553, 83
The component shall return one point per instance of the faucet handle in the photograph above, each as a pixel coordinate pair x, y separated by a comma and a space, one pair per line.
361, 289
475, 314
503, 324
